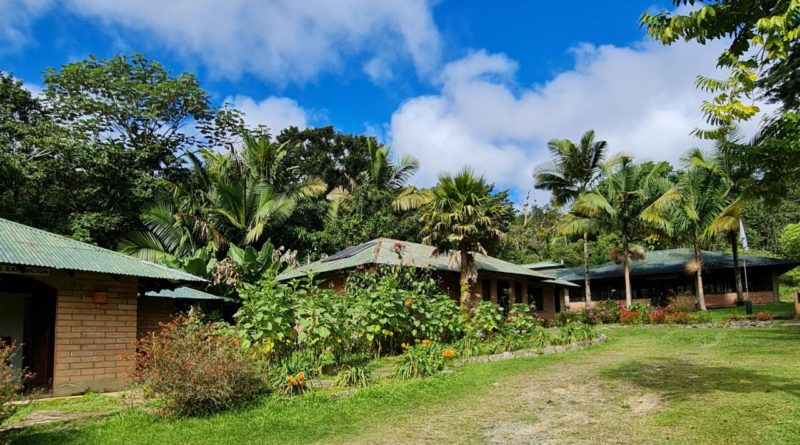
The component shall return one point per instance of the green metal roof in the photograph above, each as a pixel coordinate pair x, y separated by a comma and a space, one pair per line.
26, 246
183, 293
385, 251
543, 265
672, 261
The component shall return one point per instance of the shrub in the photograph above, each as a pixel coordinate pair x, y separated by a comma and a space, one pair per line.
572, 333
702, 317
421, 360
290, 375
265, 317
763, 316
679, 317
354, 375
12, 380
487, 318
520, 320
657, 316
607, 311
540, 338
196, 368
630, 316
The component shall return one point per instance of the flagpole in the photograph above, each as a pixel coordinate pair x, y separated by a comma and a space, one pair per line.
745, 247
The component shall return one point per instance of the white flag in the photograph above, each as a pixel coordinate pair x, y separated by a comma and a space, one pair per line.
743, 235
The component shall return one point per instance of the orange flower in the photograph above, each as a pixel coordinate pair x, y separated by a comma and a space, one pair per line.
426, 342
448, 353
301, 376
404, 346
292, 380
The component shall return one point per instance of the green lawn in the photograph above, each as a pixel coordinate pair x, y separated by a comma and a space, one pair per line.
781, 309
666, 385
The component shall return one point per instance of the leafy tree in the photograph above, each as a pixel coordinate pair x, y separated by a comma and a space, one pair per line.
370, 214
574, 170
790, 241
465, 216
30, 164
616, 204
690, 211
761, 33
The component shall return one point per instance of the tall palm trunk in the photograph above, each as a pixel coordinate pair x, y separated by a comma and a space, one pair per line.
626, 267
465, 278
698, 258
737, 272
587, 288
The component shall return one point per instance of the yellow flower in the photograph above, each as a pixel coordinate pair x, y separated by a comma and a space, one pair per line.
404, 346
301, 376
426, 342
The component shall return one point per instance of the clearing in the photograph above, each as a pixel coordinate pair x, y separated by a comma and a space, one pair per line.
646, 385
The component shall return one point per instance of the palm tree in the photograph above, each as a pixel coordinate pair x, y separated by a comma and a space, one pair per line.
739, 173
240, 195
385, 175
615, 206
691, 209
463, 215
574, 170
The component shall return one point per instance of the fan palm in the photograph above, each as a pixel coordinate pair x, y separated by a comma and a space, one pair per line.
615, 206
574, 170
463, 216
691, 209
385, 175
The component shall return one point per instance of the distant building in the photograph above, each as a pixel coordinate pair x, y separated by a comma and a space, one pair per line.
499, 281
661, 275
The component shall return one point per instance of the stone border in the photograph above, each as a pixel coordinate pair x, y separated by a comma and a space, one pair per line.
602, 338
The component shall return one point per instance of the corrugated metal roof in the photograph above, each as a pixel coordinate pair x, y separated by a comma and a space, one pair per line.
385, 251
26, 246
543, 265
671, 261
183, 293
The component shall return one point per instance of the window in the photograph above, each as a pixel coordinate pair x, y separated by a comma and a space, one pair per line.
517, 292
486, 292
536, 297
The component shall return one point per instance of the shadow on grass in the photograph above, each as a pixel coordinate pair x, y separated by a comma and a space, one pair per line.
680, 379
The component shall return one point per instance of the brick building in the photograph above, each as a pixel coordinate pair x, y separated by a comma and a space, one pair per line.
499, 281
75, 309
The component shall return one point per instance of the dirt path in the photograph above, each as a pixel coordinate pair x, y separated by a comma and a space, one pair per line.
564, 403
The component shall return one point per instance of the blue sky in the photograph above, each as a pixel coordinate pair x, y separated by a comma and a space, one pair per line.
451, 82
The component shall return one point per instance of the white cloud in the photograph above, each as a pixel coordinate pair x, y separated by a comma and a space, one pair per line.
16, 18
276, 113
641, 99
280, 40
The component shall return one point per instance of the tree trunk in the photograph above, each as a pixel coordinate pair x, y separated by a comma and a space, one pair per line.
626, 267
587, 287
466, 291
737, 271
701, 298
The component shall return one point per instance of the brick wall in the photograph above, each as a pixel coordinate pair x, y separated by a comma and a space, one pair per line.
95, 330
729, 299
153, 311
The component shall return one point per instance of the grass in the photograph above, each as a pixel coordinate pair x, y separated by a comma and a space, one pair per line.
670, 385
782, 309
